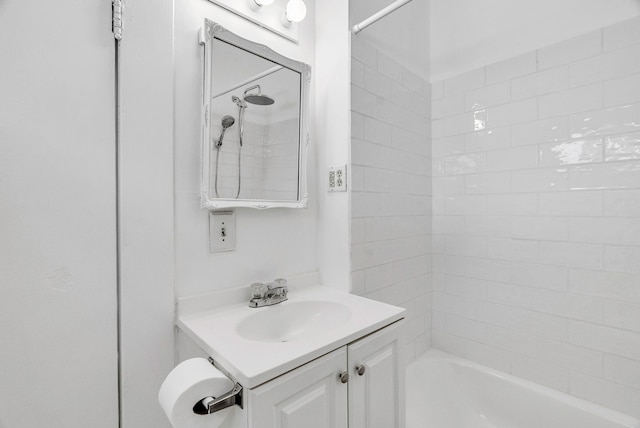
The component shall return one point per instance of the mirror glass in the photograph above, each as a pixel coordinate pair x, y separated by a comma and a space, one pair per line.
255, 136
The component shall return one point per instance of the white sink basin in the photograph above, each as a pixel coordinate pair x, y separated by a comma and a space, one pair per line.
255, 345
293, 321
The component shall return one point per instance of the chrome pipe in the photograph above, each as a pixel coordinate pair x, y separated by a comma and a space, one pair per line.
249, 80
378, 15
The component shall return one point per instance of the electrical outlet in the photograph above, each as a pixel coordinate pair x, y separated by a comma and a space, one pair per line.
338, 178
222, 231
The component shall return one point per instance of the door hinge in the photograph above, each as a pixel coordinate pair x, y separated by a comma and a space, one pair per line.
116, 21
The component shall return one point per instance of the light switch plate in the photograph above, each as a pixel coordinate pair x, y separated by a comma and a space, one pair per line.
222, 231
337, 178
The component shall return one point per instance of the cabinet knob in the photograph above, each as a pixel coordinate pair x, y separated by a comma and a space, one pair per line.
344, 377
360, 369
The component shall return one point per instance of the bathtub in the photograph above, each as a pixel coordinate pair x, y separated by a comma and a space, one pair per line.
444, 391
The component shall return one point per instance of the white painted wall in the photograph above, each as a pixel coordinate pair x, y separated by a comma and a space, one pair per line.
58, 337
146, 213
270, 243
466, 34
161, 86
332, 104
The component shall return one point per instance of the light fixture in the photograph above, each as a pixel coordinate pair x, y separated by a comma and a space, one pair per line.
257, 4
295, 12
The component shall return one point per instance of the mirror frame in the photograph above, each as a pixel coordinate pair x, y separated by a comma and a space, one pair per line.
209, 32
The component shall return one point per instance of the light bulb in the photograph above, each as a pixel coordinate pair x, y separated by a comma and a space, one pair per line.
296, 11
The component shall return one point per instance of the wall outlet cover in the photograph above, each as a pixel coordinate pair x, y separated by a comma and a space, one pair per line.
337, 178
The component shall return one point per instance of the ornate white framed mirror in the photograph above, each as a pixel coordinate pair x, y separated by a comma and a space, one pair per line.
255, 133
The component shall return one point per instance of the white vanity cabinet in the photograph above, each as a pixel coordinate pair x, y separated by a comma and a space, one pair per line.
316, 396
291, 358
310, 396
376, 382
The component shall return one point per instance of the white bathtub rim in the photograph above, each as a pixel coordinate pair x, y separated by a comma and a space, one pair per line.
570, 400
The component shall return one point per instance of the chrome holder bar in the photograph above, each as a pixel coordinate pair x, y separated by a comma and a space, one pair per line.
211, 404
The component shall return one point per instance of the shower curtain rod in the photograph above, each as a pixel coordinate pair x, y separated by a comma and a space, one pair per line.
379, 15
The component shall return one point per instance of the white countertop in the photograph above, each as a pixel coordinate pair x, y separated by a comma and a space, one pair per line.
253, 362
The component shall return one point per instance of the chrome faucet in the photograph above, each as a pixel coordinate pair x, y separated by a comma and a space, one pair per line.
268, 294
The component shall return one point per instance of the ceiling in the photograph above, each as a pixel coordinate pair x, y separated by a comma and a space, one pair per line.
466, 34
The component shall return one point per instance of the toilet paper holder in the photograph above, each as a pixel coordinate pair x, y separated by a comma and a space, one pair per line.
211, 404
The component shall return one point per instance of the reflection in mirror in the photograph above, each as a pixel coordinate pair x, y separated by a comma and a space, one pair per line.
260, 157
255, 147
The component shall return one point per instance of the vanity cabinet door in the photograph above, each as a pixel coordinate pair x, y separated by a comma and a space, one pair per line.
311, 396
376, 383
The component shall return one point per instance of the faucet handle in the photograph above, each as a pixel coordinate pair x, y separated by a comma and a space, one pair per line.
258, 289
280, 285
280, 282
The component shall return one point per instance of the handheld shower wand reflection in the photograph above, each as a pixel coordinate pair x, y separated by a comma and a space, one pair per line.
258, 99
227, 122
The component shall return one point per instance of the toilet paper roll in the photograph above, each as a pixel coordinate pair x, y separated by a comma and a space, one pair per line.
189, 382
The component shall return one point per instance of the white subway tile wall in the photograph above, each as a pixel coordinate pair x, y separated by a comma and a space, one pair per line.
268, 162
536, 216
391, 187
